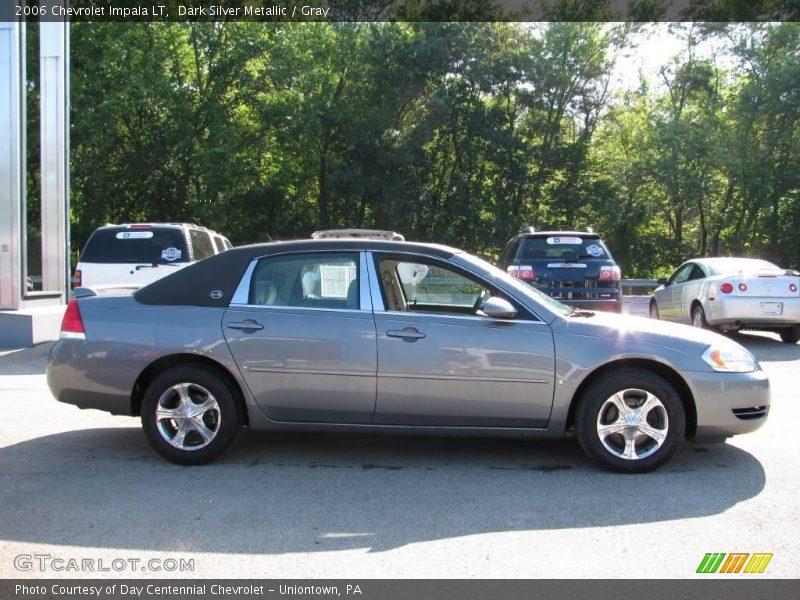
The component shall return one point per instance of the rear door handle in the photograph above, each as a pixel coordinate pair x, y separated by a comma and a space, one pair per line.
409, 333
246, 325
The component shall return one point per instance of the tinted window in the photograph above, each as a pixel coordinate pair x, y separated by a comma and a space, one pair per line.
136, 245
508, 252
201, 244
309, 280
563, 247
220, 243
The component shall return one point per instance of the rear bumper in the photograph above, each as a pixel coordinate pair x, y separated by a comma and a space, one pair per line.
747, 312
729, 404
73, 377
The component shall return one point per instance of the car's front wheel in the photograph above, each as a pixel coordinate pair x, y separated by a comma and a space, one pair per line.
190, 415
631, 421
791, 335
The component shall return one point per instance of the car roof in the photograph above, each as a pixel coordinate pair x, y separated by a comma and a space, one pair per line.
143, 225
732, 262
192, 285
560, 233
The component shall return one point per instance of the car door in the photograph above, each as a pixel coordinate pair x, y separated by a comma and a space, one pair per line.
301, 330
671, 307
442, 363
690, 290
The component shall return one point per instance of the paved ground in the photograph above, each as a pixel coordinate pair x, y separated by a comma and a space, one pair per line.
84, 485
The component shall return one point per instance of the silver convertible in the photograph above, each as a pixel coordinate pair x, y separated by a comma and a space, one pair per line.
731, 294
354, 335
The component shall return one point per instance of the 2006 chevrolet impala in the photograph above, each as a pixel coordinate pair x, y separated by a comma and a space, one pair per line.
361, 334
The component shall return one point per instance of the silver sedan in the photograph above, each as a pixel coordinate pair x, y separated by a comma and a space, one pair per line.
353, 335
731, 294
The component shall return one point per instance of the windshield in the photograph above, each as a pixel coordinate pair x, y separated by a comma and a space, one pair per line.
524, 289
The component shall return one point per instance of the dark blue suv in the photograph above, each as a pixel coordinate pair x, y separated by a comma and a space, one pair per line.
574, 267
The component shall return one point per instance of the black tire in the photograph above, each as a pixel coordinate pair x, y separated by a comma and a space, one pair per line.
220, 421
791, 335
699, 317
654, 309
596, 408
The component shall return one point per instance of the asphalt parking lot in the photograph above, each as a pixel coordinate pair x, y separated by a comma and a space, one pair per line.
84, 486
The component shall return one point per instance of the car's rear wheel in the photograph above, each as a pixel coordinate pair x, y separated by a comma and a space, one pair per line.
190, 415
699, 317
653, 309
630, 421
791, 335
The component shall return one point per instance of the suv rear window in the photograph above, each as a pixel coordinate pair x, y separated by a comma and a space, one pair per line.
157, 245
562, 247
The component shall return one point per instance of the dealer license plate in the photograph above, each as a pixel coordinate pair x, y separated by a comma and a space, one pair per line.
771, 308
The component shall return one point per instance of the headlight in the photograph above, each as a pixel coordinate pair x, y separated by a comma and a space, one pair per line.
730, 359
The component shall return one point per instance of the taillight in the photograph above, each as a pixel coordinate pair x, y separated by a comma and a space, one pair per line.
792, 287
78, 281
742, 287
72, 324
523, 272
609, 273
726, 288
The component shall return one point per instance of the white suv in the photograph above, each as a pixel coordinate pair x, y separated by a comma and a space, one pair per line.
135, 254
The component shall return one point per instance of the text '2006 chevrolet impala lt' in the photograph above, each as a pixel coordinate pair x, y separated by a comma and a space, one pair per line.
383, 335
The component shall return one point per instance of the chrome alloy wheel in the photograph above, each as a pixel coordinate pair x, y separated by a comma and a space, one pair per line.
632, 424
188, 416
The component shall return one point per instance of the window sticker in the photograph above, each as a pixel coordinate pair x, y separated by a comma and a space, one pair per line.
335, 280
594, 250
171, 254
134, 235
564, 240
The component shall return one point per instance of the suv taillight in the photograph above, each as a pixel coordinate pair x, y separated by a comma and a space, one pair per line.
72, 324
610, 273
523, 272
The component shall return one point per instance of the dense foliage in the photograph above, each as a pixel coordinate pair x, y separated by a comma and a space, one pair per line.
458, 133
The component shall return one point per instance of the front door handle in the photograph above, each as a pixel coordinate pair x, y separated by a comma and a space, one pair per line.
409, 334
248, 325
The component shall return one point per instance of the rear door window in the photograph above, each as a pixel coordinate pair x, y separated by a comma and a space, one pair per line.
325, 280
202, 246
154, 245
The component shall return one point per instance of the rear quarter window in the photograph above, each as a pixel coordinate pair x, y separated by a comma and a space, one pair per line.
127, 245
202, 246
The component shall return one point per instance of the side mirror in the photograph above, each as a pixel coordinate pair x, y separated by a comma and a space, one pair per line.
498, 308
663, 281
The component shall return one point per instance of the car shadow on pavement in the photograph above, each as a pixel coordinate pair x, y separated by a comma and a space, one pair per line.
767, 347
291, 492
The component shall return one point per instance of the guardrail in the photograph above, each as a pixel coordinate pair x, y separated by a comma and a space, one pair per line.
644, 286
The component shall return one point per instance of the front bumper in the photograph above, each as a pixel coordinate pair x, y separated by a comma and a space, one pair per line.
747, 311
729, 404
